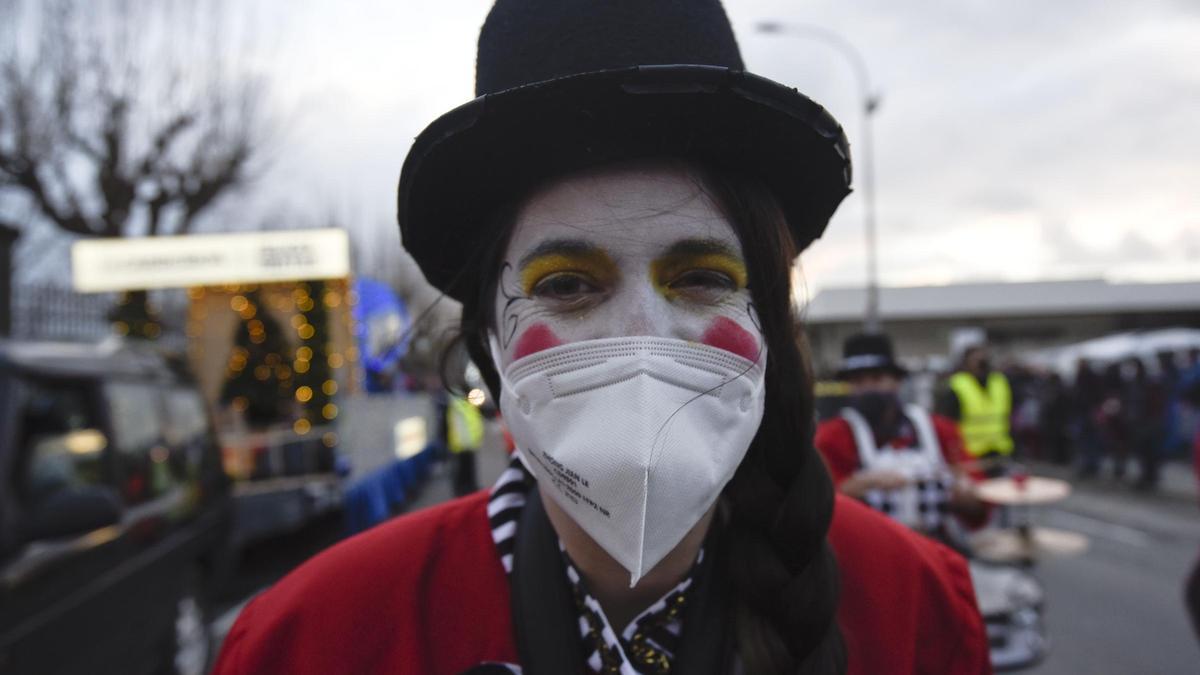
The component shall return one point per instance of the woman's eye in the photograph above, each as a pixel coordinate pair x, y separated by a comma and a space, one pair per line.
564, 286
703, 280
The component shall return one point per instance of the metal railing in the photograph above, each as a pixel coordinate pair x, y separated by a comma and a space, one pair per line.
57, 313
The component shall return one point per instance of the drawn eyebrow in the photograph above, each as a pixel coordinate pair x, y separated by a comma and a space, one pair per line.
558, 247
698, 247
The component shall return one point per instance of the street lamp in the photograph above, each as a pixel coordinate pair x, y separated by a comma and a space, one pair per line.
870, 103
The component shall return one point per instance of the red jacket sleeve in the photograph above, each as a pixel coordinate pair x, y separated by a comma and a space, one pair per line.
835, 442
422, 594
907, 604
950, 439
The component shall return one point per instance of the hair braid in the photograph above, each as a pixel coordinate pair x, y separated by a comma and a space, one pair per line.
782, 569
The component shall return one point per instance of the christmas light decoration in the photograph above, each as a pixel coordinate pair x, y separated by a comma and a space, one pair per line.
258, 383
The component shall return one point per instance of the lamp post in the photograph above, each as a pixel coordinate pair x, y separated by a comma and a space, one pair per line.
869, 104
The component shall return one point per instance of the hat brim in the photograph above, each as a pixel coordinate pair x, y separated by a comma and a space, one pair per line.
894, 368
496, 148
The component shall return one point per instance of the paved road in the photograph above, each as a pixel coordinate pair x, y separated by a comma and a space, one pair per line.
1117, 609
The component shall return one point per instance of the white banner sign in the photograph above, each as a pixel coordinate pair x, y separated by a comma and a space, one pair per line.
100, 265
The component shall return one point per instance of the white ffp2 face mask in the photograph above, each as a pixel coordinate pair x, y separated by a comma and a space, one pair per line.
634, 437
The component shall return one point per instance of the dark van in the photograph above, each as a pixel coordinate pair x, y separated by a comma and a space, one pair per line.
114, 512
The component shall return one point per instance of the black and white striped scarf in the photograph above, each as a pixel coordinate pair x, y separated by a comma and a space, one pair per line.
646, 646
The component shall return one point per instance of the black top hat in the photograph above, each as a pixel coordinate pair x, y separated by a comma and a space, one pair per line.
866, 352
567, 84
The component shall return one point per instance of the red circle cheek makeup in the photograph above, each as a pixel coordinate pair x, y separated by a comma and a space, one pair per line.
537, 338
725, 333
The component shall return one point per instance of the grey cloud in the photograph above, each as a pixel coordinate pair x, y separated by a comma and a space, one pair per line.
1066, 247
999, 200
1188, 243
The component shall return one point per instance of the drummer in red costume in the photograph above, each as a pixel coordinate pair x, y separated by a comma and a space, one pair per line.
619, 213
898, 459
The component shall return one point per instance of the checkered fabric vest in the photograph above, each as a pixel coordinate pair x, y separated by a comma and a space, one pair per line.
922, 504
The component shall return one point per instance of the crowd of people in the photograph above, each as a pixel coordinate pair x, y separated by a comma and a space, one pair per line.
1109, 415
1118, 418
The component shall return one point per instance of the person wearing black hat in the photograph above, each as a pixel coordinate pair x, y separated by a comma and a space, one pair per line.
897, 458
618, 212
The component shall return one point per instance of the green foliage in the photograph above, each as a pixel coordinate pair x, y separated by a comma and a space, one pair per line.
133, 317
259, 379
314, 344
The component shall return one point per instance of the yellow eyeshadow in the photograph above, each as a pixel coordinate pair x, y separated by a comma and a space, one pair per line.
664, 270
594, 264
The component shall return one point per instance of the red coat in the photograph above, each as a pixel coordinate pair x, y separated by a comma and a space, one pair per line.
426, 594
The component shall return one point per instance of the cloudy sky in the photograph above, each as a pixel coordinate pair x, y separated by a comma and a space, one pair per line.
1016, 140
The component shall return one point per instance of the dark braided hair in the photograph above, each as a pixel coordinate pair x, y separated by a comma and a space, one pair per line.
782, 571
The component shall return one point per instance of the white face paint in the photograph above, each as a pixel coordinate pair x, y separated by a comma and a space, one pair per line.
611, 282
635, 250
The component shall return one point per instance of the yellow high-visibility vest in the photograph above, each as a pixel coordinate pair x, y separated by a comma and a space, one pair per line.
464, 425
984, 413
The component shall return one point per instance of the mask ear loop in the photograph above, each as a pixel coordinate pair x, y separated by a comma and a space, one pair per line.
506, 388
494, 349
663, 427
656, 446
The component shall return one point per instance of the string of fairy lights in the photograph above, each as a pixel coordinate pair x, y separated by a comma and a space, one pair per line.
303, 362
133, 316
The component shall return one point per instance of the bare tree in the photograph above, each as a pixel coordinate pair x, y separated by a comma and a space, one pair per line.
122, 118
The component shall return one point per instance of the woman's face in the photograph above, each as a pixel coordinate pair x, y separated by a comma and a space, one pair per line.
636, 250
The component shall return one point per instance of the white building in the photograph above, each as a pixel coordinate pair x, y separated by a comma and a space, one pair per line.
1017, 317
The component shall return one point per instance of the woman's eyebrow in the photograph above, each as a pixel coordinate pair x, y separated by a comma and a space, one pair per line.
558, 247
699, 247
